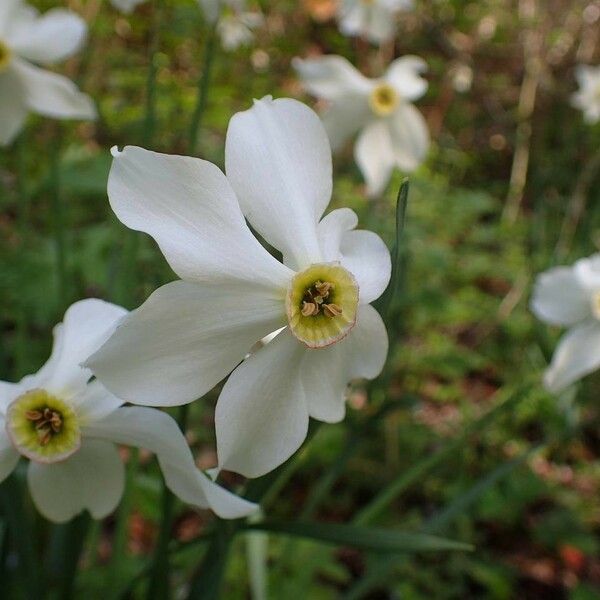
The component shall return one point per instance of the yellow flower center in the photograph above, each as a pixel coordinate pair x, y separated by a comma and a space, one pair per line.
383, 100
5, 56
321, 304
42, 427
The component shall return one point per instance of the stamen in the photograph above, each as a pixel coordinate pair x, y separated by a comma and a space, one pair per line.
43, 427
383, 100
5, 56
321, 304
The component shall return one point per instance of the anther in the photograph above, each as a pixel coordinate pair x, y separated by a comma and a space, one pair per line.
309, 309
332, 310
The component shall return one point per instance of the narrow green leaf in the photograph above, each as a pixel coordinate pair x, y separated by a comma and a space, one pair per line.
387, 300
382, 540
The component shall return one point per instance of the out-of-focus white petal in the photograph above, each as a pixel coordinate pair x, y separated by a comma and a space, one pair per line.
587, 98
363, 253
188, 207
278, 160
9, 457
332, 78
409, 137
87, 324
93, 478
405, 75
184, 339
52, 95
375, 21
156, 431
326, 373
9, 11
126, 6
343, 119
559, 298
577, 355
14, 109
374, 156
261, 417
95, 403
53, 36
587, 273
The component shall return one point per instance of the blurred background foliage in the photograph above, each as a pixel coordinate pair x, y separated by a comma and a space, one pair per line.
457, 437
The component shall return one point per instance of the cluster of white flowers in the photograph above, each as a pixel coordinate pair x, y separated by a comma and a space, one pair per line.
312, 310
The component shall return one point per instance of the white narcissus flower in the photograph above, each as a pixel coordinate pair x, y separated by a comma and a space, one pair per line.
126, 6
374, 20
570, 297
393, 133
25, 38
190, 334
587, 98
68, 428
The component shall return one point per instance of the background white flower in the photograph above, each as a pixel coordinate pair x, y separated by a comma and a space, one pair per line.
570, 297
587, 98
68, 427
126, 6
393, 133
25, 38
191, 334
374, 20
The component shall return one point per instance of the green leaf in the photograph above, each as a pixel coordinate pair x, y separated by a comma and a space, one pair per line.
382, 540
387, 300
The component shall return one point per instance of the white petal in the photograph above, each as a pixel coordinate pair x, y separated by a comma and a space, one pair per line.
327, 372
8, 393
587, 272
278, 160
156, 431
332, 228
9, 457
405, 75
184, 339
9, 10
52, 95
95, 403
52, 37
559, 298
409, 136
345, 118
86, 326
332, 78
188, 207
261, 417
363, 253
13, 110
374, 155
93, 479
577, 355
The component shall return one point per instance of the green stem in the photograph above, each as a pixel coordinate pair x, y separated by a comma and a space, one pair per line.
150, 118
22, 535
65, 550
203, 87
158, 585
206, 583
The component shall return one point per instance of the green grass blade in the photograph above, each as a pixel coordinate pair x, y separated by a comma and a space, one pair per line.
381, 540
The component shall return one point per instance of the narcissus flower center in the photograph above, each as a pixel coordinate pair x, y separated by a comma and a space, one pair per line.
42, 427
384, 100
321, 304
5, 56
